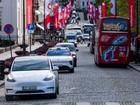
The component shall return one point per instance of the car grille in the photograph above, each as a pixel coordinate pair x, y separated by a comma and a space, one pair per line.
37, 91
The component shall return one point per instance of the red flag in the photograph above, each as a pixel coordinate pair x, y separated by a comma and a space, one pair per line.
56, 16
131, 4
29, 14
63, 17
103, 9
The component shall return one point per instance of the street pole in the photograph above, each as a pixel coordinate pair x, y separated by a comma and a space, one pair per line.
24, 45
137, 17
44, 22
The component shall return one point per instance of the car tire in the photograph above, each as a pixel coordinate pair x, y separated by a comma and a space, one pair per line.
9, 98
75, 63
58, 90
54, 96
72, 70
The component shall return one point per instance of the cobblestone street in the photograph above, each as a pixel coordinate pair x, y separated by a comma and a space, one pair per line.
90, 85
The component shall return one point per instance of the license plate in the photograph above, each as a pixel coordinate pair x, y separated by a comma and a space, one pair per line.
29, 88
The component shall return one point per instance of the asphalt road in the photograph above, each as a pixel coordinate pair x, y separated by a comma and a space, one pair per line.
90, 85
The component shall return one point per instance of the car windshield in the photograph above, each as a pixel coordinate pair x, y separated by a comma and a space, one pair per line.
87, 29
29, 65
61, 52
71, 37
71, 47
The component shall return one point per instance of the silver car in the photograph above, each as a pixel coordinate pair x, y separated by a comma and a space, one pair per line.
73, 50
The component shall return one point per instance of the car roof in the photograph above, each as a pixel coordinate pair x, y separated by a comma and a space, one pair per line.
30, 57
58, 48
64, 44
73, 26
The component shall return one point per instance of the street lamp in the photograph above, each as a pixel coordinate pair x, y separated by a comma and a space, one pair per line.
23, 43
137, 17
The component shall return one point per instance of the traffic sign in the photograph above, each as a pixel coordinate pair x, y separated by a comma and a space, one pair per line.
31, 28
8, 29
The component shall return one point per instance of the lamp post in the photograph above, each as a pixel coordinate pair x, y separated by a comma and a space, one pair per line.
23, 43
137, 17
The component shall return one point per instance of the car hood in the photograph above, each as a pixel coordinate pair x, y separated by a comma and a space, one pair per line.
60, 58
31, 75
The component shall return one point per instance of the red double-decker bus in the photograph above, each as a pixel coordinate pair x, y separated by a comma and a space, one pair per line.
112, 41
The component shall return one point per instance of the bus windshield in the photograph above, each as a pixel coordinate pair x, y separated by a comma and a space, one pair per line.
113, 24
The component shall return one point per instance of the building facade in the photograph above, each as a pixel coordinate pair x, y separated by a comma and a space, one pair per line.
11, 12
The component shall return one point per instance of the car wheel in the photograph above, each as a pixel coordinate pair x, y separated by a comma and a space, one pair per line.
54, 96
75, 63
9, 97
72, 70
58, 90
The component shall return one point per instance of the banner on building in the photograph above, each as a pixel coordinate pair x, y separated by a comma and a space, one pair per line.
113, 7
29, 14
131, 4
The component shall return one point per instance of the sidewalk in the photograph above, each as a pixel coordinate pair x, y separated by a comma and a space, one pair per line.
7, 54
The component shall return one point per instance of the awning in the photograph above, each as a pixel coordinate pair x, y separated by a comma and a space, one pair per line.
39, 26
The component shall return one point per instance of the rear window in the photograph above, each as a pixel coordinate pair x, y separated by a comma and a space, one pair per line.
118, 25
58, 53
71, 37
87, 29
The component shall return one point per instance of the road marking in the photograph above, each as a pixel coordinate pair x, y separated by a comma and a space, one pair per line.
137, 103
83, 103
112, 103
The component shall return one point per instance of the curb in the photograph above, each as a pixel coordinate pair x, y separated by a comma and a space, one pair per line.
4, 49
2, 84
134, 68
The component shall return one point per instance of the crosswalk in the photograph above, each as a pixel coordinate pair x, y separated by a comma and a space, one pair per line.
98, 103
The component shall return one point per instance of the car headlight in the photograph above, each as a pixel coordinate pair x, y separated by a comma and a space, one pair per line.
48, 78
10, 78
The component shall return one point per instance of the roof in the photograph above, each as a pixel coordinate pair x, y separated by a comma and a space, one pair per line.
58, 48
30, 58
65, 43
73, 26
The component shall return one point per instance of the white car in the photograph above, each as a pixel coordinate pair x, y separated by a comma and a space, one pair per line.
71, 37
31, 75
72, 48
87, 29
62, 58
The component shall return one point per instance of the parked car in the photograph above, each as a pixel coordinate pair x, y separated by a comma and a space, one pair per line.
72, 48
62, 58
31, 75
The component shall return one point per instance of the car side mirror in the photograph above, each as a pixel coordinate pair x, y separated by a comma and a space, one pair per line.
77, 49
55, 68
